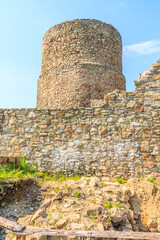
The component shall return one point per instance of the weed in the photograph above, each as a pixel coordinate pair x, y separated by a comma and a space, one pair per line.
118, 205
59, 210
76, 194
75, 178
151, 180
108, 205
85, 227
22, 213
60, 177
119, 180
65, 186
56, 189
94, 201
109, 219
94, 218
25, 171
49, 219
103, 184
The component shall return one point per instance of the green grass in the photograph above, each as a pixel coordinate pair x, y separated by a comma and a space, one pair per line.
60, 177
103, 184
25, 171
94, 200
119, 180
65, 187
108, 205
118, 205
76, 195
56, 189
109, 219
151, 180
94, 218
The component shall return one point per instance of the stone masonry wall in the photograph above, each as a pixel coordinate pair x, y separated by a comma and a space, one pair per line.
81, 61
118, 136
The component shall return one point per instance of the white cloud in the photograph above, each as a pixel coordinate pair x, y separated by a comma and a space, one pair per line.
144, 48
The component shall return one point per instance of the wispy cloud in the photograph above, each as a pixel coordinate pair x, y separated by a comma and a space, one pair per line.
143, 48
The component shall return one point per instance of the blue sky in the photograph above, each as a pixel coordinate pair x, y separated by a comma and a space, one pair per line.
24, 22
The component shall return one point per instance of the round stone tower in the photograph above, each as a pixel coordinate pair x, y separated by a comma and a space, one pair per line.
81, 61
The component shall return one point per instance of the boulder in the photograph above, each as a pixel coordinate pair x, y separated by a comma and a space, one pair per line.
152, 223
94, 182
116, 214
46, 203
40, 213
61, 223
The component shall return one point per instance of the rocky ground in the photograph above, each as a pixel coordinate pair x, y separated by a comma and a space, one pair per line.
92, 203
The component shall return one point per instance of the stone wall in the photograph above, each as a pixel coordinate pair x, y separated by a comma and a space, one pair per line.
118, 136
81, 61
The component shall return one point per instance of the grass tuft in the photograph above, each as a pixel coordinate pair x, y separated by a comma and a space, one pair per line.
108, 205
25, 171
76, 195
151, 180
119, 180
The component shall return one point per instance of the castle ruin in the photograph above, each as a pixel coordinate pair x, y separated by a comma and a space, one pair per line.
85, 121
81, 61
